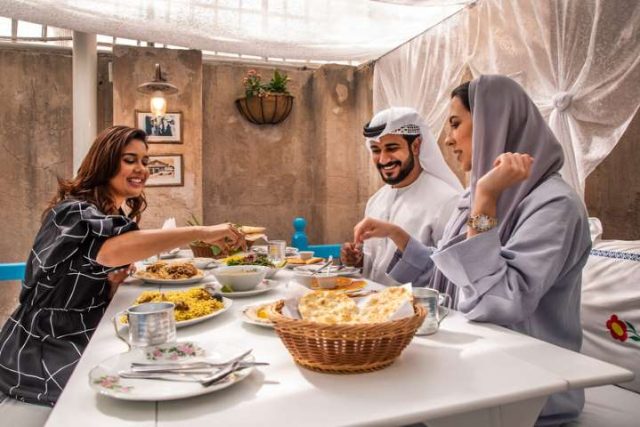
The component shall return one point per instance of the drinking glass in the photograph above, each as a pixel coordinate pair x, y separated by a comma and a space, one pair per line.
276, 251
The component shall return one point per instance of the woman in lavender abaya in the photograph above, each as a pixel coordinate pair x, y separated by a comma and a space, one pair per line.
513, 252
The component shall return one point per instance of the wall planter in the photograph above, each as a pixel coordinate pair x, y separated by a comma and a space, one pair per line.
268, 109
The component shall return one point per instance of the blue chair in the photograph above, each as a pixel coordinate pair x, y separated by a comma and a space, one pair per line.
12, 271
301, 241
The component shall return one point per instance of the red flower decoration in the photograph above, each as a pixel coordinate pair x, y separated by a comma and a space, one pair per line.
617, 328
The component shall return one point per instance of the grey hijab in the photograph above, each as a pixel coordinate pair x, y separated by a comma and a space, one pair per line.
506, 120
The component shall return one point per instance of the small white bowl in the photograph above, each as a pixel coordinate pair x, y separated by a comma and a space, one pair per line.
272, 272
321, 280
305, 255
202, 262
240, 277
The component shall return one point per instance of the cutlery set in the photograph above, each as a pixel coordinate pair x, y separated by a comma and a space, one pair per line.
203, 372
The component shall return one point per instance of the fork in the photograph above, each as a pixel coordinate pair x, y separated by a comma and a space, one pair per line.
189, 367
194, 377
325, 265
224, 373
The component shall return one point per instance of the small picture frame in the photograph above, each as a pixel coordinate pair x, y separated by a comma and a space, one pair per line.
165, 170
166, 129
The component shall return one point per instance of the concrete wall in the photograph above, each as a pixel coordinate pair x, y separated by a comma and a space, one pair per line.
35, 147
344, 103
613, 189
310, 165
183, 68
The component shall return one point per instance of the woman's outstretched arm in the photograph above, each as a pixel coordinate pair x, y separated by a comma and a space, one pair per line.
134, 246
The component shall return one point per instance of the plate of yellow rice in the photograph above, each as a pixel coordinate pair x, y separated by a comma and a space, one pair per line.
192, 305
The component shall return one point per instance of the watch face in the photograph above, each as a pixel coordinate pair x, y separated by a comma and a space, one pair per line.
484, 223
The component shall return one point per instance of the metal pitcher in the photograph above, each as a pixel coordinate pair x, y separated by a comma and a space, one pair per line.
151, 323
430, 300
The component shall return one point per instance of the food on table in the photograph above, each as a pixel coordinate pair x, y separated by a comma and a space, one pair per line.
263, 312
335, 308
255, 259
381, 306
250, 259
189, 304
300, 261
169, 271
248, 229
226, 289
328, 307
224, 249
258, 314
251, 233
240, 277
342, 284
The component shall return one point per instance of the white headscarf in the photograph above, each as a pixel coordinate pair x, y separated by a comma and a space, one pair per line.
402, 121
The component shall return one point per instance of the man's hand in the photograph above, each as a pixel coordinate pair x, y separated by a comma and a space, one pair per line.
370, 227
351, 254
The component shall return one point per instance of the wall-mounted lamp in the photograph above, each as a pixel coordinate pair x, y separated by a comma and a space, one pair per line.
158, 88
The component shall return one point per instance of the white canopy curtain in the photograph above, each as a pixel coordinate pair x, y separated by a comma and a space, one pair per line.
578, 60
320, 30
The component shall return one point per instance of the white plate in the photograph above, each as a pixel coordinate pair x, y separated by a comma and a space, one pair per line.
189, 281
104, 378
227, 303
249, 315
263, 249
179, 324
346, 271
170, 254
316, 264
265, 286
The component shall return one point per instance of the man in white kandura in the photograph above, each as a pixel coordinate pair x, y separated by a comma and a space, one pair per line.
420, 192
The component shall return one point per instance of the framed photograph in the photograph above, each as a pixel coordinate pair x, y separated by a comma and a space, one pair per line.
165, 170
165, 129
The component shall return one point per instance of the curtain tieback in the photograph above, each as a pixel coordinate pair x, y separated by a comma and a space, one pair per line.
562, 100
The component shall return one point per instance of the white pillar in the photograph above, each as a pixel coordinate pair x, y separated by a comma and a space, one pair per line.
85, 94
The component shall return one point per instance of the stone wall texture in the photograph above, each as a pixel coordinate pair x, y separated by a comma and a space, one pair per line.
35, 148
312, 165
133, 66
613, 189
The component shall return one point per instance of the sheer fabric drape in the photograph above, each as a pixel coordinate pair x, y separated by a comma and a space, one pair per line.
578, 60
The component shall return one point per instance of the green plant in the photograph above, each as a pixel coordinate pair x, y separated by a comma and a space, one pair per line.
278, 83
193, 221
253, 85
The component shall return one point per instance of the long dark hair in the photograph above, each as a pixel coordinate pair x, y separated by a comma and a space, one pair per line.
462, 92
102, 163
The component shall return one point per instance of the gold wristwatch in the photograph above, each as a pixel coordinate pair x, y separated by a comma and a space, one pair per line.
482, 223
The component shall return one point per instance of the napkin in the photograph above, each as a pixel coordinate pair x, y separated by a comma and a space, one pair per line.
168, 224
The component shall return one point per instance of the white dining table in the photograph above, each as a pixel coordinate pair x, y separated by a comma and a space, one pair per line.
466, 374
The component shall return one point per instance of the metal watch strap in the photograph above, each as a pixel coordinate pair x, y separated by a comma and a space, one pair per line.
482, 223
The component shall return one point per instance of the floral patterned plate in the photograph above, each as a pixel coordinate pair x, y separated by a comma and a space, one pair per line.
105, 378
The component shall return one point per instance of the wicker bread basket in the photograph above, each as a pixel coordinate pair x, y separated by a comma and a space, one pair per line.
345, 349
202, 249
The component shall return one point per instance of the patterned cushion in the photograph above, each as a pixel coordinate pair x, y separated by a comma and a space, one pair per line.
611, 305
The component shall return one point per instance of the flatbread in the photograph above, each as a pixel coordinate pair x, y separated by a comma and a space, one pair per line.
381, 306
255, 236
328, 307
248, 229
300, 261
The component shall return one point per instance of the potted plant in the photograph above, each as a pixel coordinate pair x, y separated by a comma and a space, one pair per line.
268, 103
